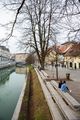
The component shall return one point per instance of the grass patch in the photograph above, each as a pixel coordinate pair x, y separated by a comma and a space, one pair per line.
34, 105
25, 103
38, 106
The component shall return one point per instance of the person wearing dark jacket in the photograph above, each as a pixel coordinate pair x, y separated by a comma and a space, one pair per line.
64, 87
60, 84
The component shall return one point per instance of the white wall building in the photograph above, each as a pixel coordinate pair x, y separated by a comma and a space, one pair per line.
4, 54
21, 57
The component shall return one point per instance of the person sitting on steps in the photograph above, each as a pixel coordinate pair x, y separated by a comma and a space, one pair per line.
64, 87
60, 84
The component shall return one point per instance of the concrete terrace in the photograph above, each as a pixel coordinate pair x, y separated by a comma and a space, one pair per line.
74, 83
66, 105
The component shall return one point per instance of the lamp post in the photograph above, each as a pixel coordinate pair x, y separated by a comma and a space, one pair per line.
56, 66
56, 55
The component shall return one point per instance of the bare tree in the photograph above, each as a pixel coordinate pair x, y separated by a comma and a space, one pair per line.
30, 59
70, 17
37, 19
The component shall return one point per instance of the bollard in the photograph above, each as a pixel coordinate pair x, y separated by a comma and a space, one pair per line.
68, 76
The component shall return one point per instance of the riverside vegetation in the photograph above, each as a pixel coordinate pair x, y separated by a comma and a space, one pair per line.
34, 105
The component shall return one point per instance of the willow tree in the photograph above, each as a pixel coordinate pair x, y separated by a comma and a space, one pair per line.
37, 20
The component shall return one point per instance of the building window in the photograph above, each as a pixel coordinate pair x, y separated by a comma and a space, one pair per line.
70, 64
75, 66
79, 65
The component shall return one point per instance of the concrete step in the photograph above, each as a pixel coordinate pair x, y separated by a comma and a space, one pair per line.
68, 113
74, 104
54, 110
44, 73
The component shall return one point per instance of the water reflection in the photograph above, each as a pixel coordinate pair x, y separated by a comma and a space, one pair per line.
21, 70
10, 88
5, 73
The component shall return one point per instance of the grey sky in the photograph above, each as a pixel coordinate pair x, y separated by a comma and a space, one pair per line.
5, 17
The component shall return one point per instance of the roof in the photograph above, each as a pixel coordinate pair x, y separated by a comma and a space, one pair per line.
70, 48
69, 42
63, 49
54, 48
66, 46
74, 50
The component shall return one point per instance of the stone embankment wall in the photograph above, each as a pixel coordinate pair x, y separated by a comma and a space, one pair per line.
19, 113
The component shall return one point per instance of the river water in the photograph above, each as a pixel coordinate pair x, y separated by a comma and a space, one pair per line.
11, 83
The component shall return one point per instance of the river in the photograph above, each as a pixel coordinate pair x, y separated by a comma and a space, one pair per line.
11, 83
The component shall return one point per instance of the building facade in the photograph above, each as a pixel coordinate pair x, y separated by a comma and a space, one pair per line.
4, 54
21, 57
72, 57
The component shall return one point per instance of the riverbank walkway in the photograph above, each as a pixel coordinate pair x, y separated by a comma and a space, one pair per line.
62, 105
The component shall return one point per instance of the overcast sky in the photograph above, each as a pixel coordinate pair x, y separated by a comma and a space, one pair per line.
5, 17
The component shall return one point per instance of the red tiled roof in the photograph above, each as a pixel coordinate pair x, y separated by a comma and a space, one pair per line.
74, 50
66, 48
69, 42
62, 49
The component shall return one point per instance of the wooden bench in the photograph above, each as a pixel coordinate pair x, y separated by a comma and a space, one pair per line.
74, 104
68, 113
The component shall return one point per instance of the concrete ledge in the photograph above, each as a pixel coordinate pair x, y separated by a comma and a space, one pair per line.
56, 115
19, 103
74, 104
42, 76
18, 107
44, 73
68, 113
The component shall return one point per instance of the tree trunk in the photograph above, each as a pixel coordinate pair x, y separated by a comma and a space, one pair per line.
56, 67
42, 65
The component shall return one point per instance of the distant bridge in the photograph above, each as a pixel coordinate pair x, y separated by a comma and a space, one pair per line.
20, 63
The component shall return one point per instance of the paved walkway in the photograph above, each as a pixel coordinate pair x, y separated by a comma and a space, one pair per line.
74, 74
74, 85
